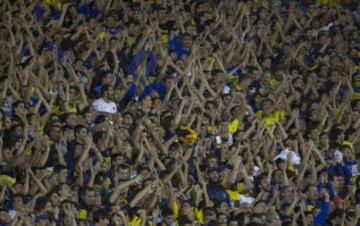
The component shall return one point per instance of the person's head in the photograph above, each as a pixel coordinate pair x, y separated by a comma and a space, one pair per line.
61, 173
64, 190
107, 92
185, 221
288, 193
267, 106
8, 154
88, 116
43, 205
337, 135
233, 221
324, 139
222, 219
257, 219
146, 103
145, 172
74, 92
175, 150
55, 132
87, 195
278, 176
351, 215
128, 119
71, 119
212, 162
187, 41
42, 220
123, 172
273, 219
260, 207
337, 181
311, 192
18, 201
19, 107
347, 152
222, 208
4, 217
336, 216
55, 198
281, 164
101, 217
81, 132
209, 215
188, 207
169, 218
213, 176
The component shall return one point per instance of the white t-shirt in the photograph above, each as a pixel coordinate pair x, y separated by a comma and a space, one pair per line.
355, 170
106, 107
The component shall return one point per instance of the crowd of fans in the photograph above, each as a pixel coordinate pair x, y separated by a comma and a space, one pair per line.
186, 112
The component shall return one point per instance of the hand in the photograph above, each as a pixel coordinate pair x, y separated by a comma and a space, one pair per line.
95, 169
325, 194
138, 179
69, 210
270, 167
236, 161
89, 139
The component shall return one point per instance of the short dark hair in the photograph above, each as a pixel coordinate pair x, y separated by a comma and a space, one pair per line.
80, 127
20, 196
40, 203
17, 103
100, 214
104, 88
58, 168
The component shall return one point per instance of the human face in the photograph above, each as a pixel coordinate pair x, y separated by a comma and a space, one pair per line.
104, 222
299, 84
213, 163
222, 219
110, 93
288, 194
187, 42
170, 220
339, 182
81, 135
347, 153
275, 220
260, 208
223, 208
123, 133
8, 155
55, 200
188, 209
55, 133
128, 120
20, 108
146, 103
89, 198
64, 190
267, 106
123, 174
214, 176
18, 203
312, 193
62, 177
5, 217
72, 120
324, 139
233, 223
